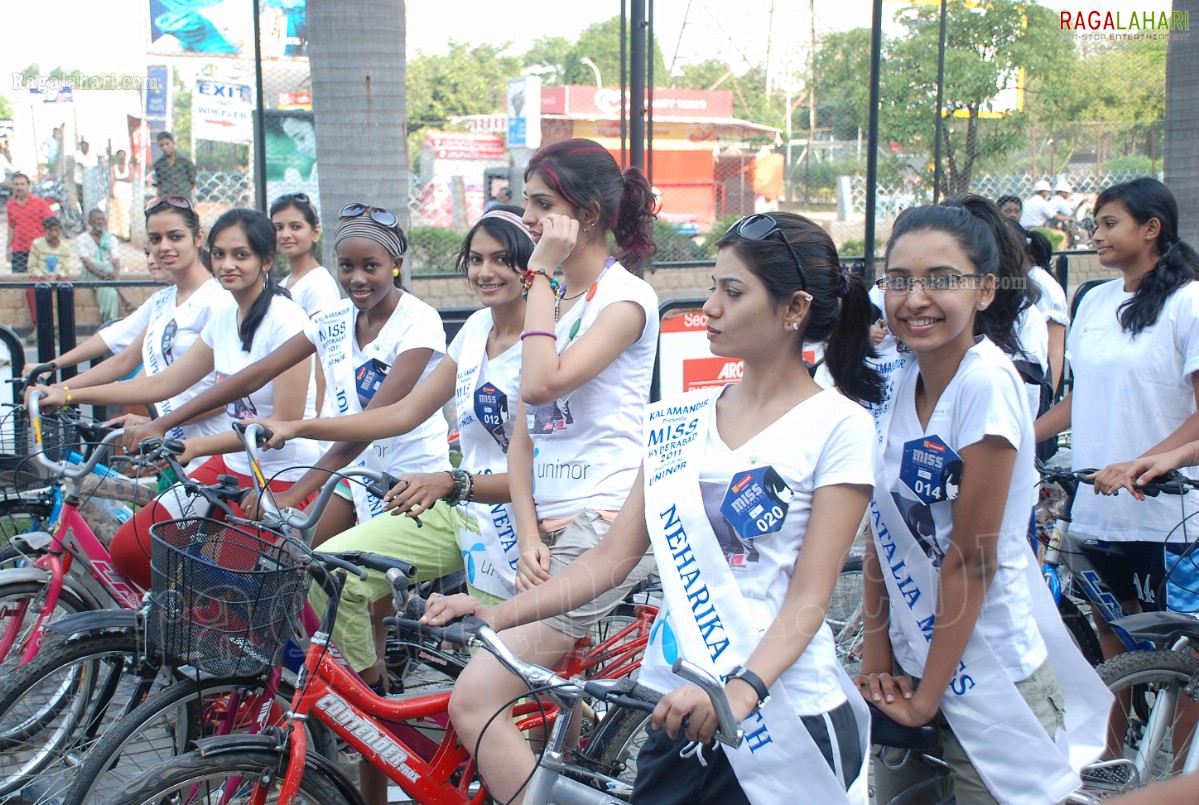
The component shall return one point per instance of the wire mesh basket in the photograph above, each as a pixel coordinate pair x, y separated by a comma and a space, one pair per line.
19, 469
223, 599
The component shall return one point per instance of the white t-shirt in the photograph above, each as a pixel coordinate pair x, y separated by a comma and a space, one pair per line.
412, 325
1033, 335
485, 398
123, 332
587, 446
825, 440
315, 291
284, 319
984, 398
171, 331
1129, 394
1053, 299
1037, 211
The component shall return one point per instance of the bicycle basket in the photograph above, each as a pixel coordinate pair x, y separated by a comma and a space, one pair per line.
19, 469
223, 599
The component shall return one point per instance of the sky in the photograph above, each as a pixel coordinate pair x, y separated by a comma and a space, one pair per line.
694, 29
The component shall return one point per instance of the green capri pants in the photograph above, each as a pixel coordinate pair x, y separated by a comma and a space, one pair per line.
433, 548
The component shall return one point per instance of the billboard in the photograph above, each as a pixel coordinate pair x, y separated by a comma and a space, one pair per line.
223, 110
291, 155
226, 28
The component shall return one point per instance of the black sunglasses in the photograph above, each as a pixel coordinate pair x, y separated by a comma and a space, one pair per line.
379, 215
300, 197
761, 226
174, 201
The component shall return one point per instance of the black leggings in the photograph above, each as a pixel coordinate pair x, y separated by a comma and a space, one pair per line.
665, 778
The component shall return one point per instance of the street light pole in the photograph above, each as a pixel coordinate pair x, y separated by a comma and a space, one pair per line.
587, 61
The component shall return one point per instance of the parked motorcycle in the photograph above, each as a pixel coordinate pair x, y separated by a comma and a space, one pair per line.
54, 191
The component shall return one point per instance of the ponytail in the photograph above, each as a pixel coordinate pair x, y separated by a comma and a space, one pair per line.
258, 311
586, 175
992, 246
634, 225
1146, 199
849, 345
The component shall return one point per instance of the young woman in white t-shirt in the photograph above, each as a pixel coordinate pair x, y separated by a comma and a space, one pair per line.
1133, 347
260, 320
167, 323
953, 599
775, 438
298, 238
481, 375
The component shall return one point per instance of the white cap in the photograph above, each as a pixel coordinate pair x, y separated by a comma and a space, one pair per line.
1042, 185
1063, 187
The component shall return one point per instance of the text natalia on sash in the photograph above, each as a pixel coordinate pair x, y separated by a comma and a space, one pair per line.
706, 618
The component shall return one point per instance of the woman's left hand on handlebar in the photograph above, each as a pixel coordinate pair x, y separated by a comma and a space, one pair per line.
282, 432
415, 493
443, 609
53, 396
688, 710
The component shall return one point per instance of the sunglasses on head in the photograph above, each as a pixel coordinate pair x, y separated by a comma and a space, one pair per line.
178, 202
761, 226
379, 215
300, 197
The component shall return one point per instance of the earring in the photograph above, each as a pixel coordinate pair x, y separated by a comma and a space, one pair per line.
395, 272
982, 306
795, 325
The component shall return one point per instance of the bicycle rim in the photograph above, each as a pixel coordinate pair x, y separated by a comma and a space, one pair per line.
1146, 683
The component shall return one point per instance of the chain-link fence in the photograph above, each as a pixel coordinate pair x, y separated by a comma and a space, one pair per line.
1024, 96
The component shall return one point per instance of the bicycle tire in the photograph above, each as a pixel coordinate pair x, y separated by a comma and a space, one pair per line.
57, 707
165, 726
201, 776
613, 749
1144, 675
844, 616
1081, 631
16, 601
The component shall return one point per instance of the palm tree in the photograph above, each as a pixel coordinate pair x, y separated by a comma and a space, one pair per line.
1182, 125
358, 58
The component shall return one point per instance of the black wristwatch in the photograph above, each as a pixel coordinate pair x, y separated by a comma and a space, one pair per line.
754, 681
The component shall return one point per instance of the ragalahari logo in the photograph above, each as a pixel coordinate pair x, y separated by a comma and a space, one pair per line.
1121, 21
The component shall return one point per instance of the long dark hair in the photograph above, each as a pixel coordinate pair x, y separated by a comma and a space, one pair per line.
992, 246
260, 233
585, 174
305, 208
517, 244
840, 312
1177, 263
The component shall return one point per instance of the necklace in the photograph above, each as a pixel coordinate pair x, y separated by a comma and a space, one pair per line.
558, 300
590, 294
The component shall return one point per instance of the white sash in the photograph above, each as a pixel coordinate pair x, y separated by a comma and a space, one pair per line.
710, 618
161, 313
495, 571
335, 344
1017, 760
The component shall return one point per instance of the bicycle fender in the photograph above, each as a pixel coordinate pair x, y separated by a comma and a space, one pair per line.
40, 575
1157, 627
32, 542
215, 746
101, 620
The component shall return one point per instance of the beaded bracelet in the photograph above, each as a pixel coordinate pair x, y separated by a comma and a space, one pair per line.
463, 489
67, 391
546, 333
528, 276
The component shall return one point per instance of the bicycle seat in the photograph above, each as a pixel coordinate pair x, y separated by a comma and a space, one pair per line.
1159, 627
886, 731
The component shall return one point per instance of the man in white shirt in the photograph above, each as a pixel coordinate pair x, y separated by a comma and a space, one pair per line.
84, 159
1063, 203
1038, 209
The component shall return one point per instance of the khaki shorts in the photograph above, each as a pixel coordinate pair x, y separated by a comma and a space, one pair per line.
1042, 691
568, 544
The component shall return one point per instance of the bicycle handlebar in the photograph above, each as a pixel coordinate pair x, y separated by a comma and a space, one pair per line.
472, 631
72, 471
1172, 483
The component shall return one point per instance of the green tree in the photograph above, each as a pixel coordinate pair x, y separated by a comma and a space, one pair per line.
600, 42
842, 96
546, 58
469, 80
6, 111
987, 44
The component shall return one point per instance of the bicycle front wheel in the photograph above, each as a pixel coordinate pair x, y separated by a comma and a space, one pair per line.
1153, 719
55, 708
167, 725
233, 777
613, 749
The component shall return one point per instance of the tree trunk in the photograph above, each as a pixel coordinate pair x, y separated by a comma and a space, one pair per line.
356, 49
1182, 125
